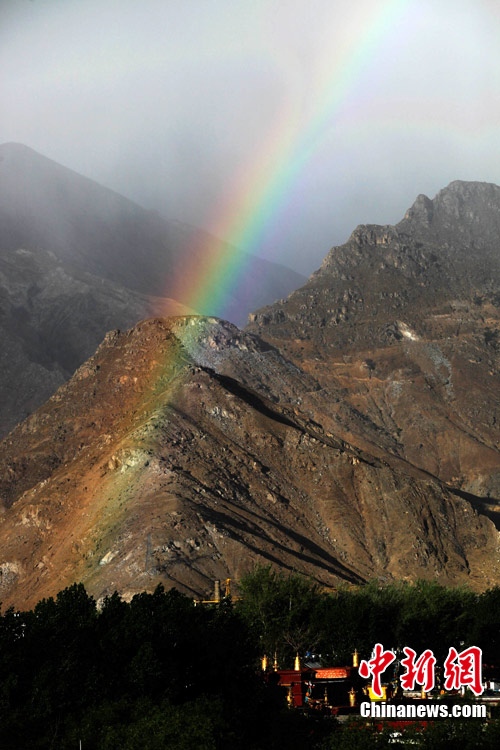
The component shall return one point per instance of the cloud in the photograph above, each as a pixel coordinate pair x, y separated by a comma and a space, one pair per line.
180, 105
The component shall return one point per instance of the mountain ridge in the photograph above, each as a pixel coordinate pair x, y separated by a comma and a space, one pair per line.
349, 433
78, 259
405, 316
44, 204
162, 459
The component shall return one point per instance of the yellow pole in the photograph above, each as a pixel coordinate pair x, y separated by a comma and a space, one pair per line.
355, 658
217, 591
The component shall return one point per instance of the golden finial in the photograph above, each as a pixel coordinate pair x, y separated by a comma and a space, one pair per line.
352, 697
289, 697
297, 663
264, 663
275, 664
355, 658
325, 697
423, 694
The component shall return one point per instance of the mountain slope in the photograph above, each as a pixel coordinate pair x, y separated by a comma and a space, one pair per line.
187, 450
52, 318
77, 260
402, 323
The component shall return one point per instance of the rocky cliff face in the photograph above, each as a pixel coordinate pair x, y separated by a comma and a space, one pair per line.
402, 323
187, 450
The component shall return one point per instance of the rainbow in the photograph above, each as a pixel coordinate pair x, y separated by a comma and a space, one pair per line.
259, 196
243, 220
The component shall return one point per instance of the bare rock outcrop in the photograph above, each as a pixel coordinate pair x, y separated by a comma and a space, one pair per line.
403, 324
187, 450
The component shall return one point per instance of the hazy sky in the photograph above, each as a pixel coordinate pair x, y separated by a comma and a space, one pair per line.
277, 124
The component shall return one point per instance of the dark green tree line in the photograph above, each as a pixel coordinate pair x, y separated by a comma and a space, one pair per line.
159, 672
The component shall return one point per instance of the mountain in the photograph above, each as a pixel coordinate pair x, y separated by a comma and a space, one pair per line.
77, 260
402, 324
186, 450
45, 205
350, 432
52, 318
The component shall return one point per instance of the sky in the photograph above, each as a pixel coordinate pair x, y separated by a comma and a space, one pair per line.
277, 125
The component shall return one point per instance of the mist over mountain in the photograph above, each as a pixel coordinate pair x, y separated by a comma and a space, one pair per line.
77, 260
44, 205
52, 317
350, 432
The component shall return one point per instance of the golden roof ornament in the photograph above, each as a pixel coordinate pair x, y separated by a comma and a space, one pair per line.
297, 663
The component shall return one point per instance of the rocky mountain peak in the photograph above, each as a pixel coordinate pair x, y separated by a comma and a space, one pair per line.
403, 323
461, 212
421, 211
